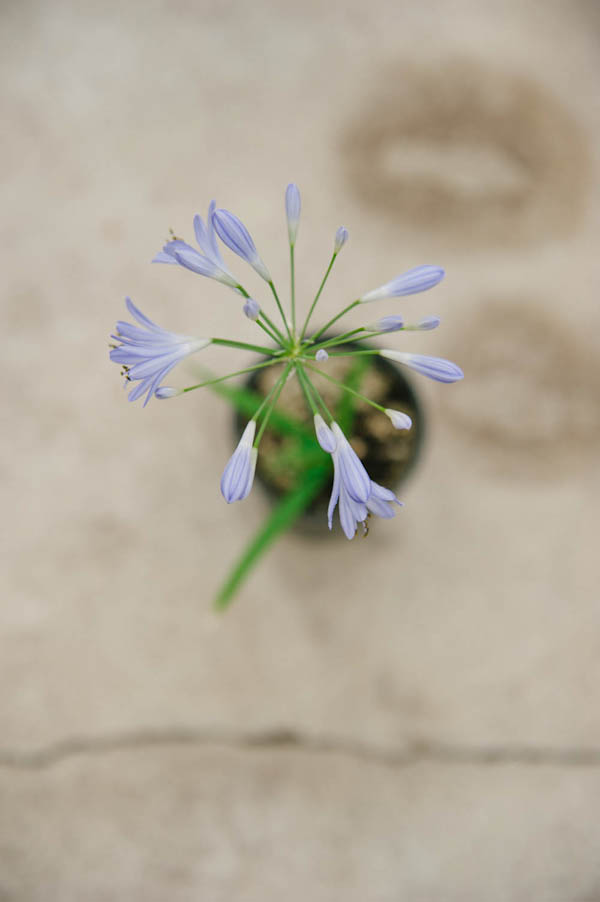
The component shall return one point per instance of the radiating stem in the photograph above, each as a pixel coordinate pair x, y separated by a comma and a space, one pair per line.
274, 393
226, 343
345, 387
278, 302
293, 287
309, 389
335, 319
249, 369
318, 295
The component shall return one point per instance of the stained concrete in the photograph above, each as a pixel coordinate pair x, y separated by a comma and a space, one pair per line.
468, 625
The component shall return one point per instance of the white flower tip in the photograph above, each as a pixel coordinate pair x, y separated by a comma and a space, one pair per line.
341, 237
321, 355
165, 392
399, 420
252, 309
248, 433
325, 436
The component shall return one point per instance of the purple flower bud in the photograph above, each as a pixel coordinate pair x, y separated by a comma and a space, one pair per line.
341, 237
238, 475
325, 436
421, 278
387, 324
321, 355
399, 420
235, 235
292, 211
252, 309
165, 392
428, 323
434, 367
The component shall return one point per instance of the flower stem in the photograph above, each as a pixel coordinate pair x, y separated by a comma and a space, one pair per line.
272, 397
278, 302
225, 342
249, 369
318, 295
345, 387
310, 390
293, 287
335, 319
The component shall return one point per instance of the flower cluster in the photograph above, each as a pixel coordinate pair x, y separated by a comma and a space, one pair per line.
147, 353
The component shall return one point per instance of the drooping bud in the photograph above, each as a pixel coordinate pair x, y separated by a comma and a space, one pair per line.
325, 436
238, 475
399, 420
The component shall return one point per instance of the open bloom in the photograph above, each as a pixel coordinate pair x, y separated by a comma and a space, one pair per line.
357, 494
238, 475
148, 354
210, 262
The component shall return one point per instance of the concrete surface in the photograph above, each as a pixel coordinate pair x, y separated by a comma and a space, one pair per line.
410, 717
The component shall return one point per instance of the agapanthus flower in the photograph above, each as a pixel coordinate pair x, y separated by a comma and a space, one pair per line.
238, 475
357, 494
148, 354
209, 263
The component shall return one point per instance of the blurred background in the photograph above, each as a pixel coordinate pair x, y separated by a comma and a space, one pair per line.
414, 716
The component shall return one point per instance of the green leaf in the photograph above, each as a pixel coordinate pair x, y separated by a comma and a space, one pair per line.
281, 518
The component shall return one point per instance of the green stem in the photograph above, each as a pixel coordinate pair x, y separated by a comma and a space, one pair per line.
318, 396
245, 347
278, 302
293, 287
275, 392
345, 387
335, 319
318, 295
249, 369
302, 379
266, 329
338, 340
269, 322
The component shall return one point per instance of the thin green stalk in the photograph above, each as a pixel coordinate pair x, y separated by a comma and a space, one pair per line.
318, 295
276, 391
317, 395
249, 369
278, 302
345, 387
271, 324
304, 386
245, 347
293, 287
337, 340
335, 319
266, 329
354, 353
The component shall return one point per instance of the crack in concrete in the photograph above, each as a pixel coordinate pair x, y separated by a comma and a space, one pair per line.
414, 753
